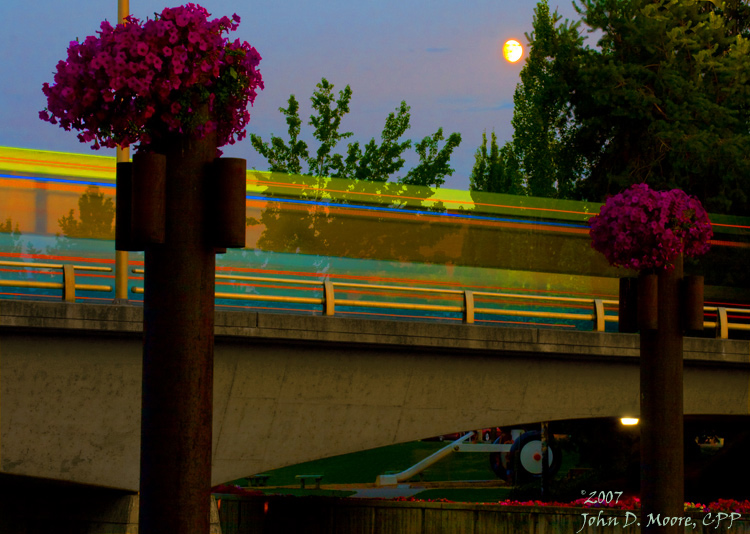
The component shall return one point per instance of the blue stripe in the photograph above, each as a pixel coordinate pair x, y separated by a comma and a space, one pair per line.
57, 180
330, 204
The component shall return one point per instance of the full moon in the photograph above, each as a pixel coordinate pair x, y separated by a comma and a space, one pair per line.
512, 50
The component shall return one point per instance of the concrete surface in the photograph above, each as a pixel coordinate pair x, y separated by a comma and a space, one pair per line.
289, 389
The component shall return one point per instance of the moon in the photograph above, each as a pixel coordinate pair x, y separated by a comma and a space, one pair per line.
512, 50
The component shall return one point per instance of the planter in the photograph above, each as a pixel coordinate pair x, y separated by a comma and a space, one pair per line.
648, 298
123, 208
628, 309
226, 197
692, 304
148, 199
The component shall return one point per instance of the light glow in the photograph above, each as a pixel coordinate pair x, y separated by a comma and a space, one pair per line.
629, 421
512, 50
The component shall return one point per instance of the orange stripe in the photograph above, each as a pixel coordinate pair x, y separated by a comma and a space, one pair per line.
52, 163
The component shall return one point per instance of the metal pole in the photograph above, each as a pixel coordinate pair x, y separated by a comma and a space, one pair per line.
662, 455
123, 154
178, 341
545, 460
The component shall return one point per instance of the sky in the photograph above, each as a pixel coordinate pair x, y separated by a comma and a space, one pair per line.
442, 57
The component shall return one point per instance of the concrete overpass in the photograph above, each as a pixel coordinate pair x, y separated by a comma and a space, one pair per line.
288, 389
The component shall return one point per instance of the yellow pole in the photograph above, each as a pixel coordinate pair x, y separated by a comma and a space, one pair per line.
123, 154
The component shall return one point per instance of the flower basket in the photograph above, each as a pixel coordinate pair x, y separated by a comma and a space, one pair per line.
139, 82
645, 229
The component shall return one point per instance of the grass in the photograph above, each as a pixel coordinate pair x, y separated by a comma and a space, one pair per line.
363, 467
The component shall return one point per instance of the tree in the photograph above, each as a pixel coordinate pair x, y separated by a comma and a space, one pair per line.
97, 215
541, 115
433, 164
282, 157
663, 99
376, 163
497, 171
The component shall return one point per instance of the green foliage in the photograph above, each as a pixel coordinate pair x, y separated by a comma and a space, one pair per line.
327, 124
541, 117
663, 99
376, 163
433, 164
10, 236
97, 215
497, 171
282, 157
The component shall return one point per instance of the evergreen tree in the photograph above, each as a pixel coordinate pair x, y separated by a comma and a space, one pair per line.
541, 116
663, 99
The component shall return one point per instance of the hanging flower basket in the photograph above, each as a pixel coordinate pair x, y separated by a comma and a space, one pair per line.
139, 82
645, 229
154, 83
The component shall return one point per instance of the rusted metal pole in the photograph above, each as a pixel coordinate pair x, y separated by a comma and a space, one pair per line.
662, 456
178, 336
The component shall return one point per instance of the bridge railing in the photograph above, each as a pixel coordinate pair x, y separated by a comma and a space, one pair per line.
341, 298
722, 324
464, 300
67, 284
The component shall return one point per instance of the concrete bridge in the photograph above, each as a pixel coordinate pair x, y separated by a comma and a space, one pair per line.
288, 389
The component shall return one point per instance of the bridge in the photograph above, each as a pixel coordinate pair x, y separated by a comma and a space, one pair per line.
463, 310
292, 388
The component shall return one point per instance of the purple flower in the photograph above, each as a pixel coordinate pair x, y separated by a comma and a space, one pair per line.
643, 229
119, 87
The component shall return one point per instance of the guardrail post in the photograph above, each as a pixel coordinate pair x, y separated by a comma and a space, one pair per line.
328, 297
468, 307
599, 323
722, 325
69, 283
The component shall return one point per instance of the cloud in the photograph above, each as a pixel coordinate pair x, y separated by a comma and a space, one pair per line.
437, 50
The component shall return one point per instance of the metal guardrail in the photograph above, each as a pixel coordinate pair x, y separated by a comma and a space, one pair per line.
329, 300
722, 324
468, 309
68, 284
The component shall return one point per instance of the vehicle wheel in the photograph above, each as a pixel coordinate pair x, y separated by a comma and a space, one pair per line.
525, 457
499, 463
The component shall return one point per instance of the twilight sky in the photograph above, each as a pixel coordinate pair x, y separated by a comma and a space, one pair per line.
443, 58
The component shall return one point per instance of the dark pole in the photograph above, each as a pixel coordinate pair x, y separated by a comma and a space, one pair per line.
662, 462
545, 460
178, 352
